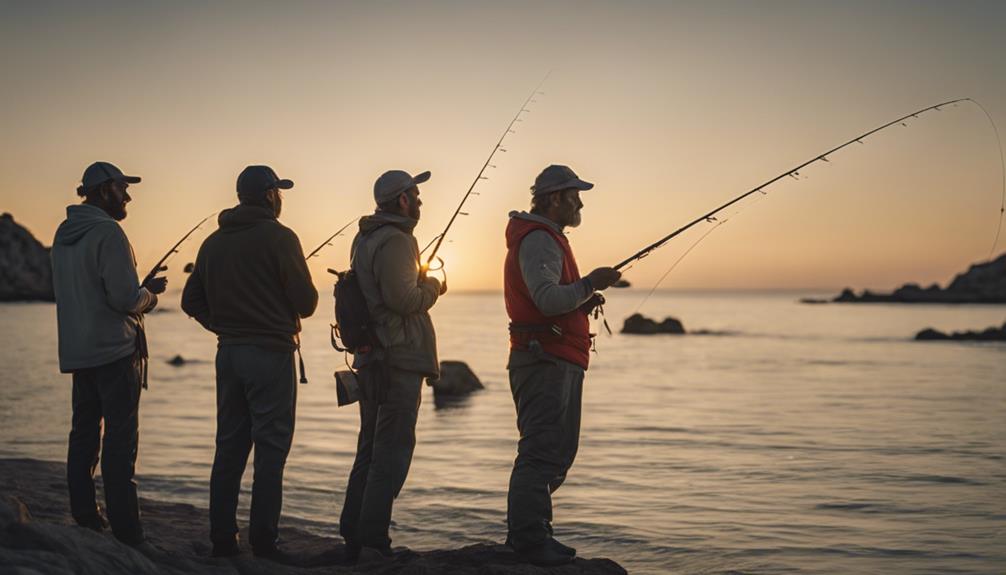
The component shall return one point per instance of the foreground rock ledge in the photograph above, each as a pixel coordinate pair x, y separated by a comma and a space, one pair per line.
38, 536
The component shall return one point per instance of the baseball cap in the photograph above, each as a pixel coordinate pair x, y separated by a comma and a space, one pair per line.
557, 177
394, 182
100, 172
256, 180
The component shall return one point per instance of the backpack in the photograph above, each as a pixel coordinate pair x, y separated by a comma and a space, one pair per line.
352, 318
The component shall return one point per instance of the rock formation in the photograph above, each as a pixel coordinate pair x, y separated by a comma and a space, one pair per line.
38, 536
982, 283
641, 325
25, 270
456, 378
991, 334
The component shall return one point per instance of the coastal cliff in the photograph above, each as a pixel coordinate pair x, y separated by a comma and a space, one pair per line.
25, 270
37, 535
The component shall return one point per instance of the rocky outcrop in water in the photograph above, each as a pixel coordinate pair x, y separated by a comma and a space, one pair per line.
456, 378
991, 334
638, 324
982, 283
25, 269
38, 536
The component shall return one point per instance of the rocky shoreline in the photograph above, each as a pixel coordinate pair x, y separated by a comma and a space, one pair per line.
25, 271
37, 535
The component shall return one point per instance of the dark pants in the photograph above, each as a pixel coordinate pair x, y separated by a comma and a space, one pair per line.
110, 392
383, 453
548, 397
256, 401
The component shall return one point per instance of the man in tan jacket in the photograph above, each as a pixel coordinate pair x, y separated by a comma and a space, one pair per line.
385, 257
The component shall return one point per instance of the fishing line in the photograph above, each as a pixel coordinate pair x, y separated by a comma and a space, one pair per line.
1002, 165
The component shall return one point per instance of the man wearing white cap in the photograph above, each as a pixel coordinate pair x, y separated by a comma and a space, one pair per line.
385, 258
547, 302
99, 310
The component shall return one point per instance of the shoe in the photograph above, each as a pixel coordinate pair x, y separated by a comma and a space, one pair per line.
566, 549
228, 549
370, 555
545, 554
95, 522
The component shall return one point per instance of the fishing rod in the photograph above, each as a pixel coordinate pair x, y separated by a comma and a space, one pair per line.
439, 239
160, 267
794, 172
328, 241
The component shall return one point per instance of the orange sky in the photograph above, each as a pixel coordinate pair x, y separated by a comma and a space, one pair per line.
670, 108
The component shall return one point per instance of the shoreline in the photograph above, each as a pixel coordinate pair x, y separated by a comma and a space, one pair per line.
37, 533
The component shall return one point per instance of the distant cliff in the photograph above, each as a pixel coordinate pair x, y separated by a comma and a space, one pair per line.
25, 271
982, 283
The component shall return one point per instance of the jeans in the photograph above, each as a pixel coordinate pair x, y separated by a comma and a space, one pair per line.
387, 439
108, 393
256, 403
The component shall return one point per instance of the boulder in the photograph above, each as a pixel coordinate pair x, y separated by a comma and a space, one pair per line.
25, 267
638, 324
989, 334
456, 378
177, 361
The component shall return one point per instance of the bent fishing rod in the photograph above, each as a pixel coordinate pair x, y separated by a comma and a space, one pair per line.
795, 171
497, 148
328, 240
160, 267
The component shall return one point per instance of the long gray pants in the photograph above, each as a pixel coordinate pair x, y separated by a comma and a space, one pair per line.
256, 402
547, 394
383, 454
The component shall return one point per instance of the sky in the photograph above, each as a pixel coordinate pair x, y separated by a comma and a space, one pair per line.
670, 108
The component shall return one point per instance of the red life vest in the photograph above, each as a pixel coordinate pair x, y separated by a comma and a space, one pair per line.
566, 336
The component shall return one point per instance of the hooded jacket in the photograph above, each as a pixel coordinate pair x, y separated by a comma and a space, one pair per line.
385, 256
98, 295
250, 283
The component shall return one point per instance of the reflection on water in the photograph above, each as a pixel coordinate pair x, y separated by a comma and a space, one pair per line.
810, 439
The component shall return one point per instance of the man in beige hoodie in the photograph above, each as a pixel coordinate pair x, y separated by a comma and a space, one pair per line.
385, 257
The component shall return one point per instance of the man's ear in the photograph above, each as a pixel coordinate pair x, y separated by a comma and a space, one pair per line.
403, 202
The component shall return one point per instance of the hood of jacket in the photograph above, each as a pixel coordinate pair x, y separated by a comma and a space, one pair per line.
378, 219
519, 222
80, 219
240, 218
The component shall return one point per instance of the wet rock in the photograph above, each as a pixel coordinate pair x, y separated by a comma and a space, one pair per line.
25, 267
189, 267
621, 284
456, 378
990, 334
638, 324
177, 361
47, 541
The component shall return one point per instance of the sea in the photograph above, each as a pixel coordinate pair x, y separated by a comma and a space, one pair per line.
785, 438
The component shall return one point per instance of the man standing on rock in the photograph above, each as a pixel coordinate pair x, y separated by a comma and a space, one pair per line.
251, 286
547, 302
99, 310
385, 257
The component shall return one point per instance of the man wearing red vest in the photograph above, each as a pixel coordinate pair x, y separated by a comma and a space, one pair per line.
547, 302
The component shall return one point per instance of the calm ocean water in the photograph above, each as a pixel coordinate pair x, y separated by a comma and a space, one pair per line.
804, 439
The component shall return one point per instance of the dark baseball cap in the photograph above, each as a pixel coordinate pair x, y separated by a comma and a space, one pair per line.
256, 180
557, 177
100, 172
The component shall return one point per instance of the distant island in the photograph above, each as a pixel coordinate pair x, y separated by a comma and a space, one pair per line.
25, 270
982, 283
990, 334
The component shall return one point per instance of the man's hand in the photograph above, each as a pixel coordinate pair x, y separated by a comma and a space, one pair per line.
443, 287
602, 278
156, 285
594, 301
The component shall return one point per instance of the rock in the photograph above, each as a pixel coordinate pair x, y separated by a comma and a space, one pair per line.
50, 543
456, 378
189, 267
989, 334
177, 361
621, 284
25, 268
982, 283
640, 325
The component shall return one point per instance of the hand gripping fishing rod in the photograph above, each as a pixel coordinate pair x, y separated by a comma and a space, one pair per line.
497, 148
794, 172
328, 240
160, 267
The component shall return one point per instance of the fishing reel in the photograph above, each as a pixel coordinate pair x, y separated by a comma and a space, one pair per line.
435, 266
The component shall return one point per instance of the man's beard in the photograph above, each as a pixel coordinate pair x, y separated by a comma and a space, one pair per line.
573, 219
414, 210
118, 212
